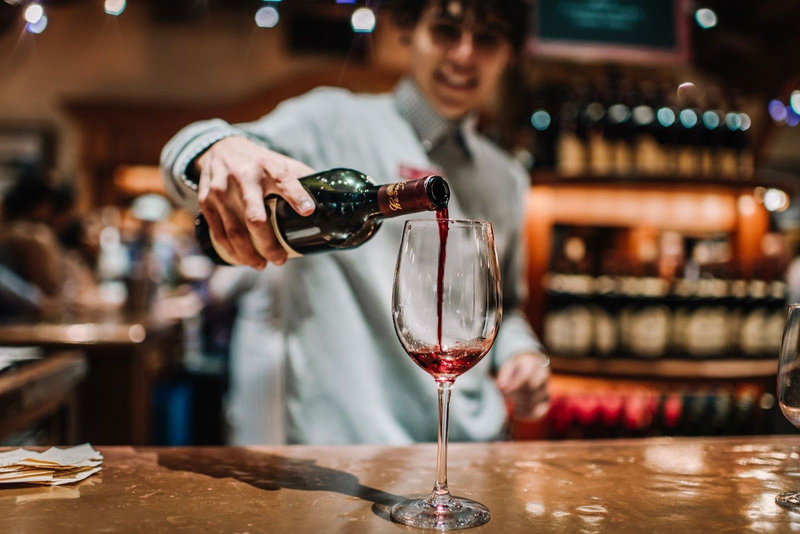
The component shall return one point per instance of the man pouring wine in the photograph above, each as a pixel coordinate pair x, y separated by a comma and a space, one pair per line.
348, 378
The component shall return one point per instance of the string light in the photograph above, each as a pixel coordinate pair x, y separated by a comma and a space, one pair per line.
706, 18
363, 20
34, 13
267, 17
115, 7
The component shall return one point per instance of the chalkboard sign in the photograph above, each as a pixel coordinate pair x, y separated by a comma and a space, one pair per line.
627, 30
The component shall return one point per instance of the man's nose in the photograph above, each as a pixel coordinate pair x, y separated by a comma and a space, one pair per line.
464, 50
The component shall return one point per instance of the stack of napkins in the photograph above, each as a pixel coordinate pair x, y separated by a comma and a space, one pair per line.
52, 467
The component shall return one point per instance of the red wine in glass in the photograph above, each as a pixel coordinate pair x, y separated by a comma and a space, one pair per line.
446, 365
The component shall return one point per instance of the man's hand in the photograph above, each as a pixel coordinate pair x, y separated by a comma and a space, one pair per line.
523, 380
235, 176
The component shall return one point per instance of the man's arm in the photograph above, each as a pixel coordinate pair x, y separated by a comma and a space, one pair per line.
523, 367
227, 170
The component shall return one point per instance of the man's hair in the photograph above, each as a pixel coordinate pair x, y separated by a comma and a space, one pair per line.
514, 14
28, 193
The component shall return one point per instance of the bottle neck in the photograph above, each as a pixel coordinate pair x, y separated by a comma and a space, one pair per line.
402, 198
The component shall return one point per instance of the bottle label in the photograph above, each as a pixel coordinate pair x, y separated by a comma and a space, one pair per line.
403, 197
290, 252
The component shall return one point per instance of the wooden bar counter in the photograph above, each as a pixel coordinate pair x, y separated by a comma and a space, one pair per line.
655, 485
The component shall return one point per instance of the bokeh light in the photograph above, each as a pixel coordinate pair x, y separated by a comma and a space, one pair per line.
777, 110
34, 13
267, 17
733, 120
363, 20
792, 118
775, 200
115, 7
540, 119
794, 101
643, 115
711, 119
39, 26
745, 121
706, 18
620, 112
688, 118
666, 117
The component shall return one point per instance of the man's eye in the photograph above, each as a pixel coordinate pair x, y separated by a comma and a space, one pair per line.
447, 32
487, 40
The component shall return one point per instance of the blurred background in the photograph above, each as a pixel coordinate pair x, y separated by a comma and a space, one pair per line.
663, 225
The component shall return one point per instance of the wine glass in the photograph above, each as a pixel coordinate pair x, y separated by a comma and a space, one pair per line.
789, 387
446, 308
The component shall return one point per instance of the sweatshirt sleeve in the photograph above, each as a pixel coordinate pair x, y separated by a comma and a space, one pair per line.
516, 335
291, 129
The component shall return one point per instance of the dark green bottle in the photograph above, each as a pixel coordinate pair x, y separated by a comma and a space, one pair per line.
349, 208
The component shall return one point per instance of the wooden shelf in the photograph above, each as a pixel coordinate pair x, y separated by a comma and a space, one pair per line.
666, 368
668, 182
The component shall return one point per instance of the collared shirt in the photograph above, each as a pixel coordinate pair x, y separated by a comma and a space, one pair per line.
348, 378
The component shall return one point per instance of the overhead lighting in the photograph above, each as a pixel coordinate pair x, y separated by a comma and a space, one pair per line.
115, 7
34, 13
267, 17
363, 20
706, 18
38, 26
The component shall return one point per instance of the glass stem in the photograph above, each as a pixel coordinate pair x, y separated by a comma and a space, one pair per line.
441, 494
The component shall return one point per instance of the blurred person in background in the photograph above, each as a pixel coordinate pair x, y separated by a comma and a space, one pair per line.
257, 390
45, 243
28, 243
348, 378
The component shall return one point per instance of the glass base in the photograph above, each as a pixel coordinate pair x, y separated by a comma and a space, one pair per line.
789, 500
454, 514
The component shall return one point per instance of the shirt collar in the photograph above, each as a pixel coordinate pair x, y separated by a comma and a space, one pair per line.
431, 127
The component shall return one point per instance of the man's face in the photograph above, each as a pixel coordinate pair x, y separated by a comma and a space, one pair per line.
456, 60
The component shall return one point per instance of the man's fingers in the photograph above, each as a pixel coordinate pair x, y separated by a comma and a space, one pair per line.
239, 238
512, 375
257, 221
217, 229
285, 183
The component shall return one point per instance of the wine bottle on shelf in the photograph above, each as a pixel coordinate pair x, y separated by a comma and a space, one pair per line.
688, 138
713, 134
742, 142
669, 128
349, 209
624, 129
648, 156
600, 153
571, 147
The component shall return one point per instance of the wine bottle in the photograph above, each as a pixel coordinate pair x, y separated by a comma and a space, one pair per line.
349, 208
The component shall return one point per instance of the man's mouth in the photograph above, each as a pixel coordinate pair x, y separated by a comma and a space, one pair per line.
457, 82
